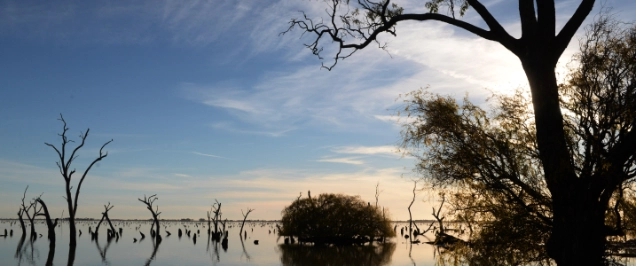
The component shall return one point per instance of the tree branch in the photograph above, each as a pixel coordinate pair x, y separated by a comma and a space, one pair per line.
570, 28
102, 155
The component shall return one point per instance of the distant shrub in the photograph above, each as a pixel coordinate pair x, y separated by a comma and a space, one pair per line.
334, 219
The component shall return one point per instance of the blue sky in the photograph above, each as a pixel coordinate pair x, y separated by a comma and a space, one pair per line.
205, 101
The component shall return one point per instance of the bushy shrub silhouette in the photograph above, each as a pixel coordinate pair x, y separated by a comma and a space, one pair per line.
335, 219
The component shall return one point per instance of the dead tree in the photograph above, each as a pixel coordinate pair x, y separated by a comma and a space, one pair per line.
64, 165
216, 210
112, 232
244, 218
33, 205
439, 219
20, 213
49, 223
155, 213
410, 205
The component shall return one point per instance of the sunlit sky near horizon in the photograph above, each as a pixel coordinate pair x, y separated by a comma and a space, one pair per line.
205, 101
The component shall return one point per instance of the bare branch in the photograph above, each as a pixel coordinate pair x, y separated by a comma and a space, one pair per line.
102, 155
381, 17
570, 28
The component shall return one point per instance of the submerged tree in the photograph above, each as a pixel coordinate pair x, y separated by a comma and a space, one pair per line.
334, 219
244, 218
494, 158
577, 231
31, 206
64, 165
50, 224
216, 210
149, 201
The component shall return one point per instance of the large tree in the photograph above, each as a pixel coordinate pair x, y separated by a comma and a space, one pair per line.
492, 162
64, 163
579, 199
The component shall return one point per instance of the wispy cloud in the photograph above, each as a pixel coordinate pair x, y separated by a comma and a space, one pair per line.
367, 150
207, 155
345, 160
272, 133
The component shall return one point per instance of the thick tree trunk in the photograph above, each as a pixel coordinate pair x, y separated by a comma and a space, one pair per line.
578, 218
578, 235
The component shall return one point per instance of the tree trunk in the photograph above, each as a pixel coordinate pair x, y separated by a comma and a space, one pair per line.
578, 236
157, 226
578, 217
71, 216
22, 225
49, 223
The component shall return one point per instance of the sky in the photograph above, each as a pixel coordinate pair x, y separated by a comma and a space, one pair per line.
206, 101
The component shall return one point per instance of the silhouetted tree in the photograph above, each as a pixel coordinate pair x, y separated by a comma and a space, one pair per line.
244, 218
216, 210
49, 223
111, 231
64, 165
32, 205
495, 158
149, 201
577, 234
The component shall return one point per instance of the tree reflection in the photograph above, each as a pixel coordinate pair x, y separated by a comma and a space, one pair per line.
26, 252
49, 258
486, 254
71, 255
102, 252
247, 256
18, 250
155, 248
374, 255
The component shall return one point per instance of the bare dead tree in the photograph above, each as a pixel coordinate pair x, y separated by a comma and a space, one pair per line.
112, 231
64, 165
50, 224
149, 201
410, 205
216, 210
33, 205
244, 218
439, 219
20, 215
377, 193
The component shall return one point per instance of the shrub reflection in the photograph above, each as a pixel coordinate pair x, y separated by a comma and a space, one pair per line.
374, 255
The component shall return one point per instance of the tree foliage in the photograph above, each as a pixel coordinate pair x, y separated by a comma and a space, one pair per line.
492, 162
334, 219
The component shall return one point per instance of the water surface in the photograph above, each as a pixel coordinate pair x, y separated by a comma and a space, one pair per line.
173, 250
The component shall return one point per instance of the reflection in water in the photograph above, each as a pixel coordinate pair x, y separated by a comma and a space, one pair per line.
49, 258
27, 252
18, 250
102, 252
71, 255
375, 255
155, 247
247, 256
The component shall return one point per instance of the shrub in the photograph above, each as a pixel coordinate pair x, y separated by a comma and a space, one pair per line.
334, 219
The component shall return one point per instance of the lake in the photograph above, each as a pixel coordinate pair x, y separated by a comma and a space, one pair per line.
173, 250
184, 251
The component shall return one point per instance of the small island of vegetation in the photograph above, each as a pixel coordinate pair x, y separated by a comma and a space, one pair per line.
335, 219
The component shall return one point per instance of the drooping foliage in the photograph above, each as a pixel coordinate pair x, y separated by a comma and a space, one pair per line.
491, 160
334, 219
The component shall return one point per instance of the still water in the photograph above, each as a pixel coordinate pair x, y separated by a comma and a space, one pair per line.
173, 250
